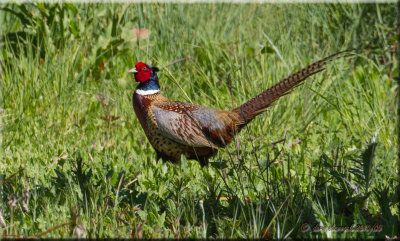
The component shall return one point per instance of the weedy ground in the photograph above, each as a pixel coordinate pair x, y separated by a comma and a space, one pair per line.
75, 161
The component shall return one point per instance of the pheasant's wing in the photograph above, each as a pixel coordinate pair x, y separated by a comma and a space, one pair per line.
176, 121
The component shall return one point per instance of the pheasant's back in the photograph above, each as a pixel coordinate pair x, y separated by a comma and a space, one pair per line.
188, 124
211, 127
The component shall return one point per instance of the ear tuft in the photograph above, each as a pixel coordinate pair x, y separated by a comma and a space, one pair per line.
155, 69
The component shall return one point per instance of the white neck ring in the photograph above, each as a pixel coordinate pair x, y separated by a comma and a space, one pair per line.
147, 92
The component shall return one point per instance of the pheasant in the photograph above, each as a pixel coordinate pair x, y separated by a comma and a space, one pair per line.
177, 128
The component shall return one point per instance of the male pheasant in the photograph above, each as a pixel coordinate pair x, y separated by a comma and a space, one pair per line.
176, 128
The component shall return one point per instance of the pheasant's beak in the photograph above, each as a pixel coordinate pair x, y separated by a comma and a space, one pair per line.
132, 71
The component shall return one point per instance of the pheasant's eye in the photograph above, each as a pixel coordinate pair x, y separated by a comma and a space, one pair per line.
144, 68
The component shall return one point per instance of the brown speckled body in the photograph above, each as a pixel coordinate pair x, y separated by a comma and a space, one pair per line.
202, 139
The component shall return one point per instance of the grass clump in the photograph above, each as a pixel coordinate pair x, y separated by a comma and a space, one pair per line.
75, 162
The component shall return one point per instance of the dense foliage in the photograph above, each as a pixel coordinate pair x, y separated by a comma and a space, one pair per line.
74, 160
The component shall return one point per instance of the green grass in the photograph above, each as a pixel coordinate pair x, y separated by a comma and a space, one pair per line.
58, 61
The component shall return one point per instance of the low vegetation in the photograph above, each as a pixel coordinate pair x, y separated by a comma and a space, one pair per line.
320, 163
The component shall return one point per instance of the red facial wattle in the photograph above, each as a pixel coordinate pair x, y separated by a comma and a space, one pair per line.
142, 75
143, 72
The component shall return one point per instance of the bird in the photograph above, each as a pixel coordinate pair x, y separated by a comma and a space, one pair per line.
176, 128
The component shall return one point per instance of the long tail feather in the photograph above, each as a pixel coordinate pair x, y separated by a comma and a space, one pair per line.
261, 102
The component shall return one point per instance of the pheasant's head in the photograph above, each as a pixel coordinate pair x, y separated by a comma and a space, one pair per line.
143, 72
